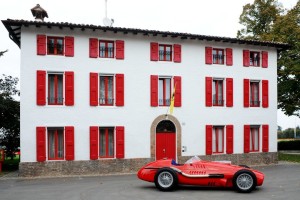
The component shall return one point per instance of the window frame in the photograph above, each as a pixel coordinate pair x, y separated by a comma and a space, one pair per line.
106, 76
56, 89
107, 144
216, 142
252, 139
252, 60
215, 56
164, 91
106, 52
56, 150
55, 48
252, 101
215, 89
164, 52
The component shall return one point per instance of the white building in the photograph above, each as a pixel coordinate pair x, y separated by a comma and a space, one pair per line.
95, 99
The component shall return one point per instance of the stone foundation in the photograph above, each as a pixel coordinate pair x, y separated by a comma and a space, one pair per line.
116, 166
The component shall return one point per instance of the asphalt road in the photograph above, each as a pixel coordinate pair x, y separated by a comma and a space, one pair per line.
282, 182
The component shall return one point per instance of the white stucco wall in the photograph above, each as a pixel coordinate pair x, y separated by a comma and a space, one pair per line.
137, 115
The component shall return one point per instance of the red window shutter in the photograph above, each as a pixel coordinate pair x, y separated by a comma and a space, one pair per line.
246, 58
246, 92
154, 90
119, 89
120, 147
246, 138
229, 92
265, 93
94, 142
265, 133
208, 93
177, 53
69, 142
264, 59
120, 49
229, 60
41, 44
229, 139
69, 48
93, 89
177, 82
94, 48
41, 88
40, 144
208, 55
69, 88
154, 51
209, 139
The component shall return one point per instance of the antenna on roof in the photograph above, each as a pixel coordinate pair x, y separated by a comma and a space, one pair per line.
106, 20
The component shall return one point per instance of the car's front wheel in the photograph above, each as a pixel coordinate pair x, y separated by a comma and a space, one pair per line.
166, 179
244, 181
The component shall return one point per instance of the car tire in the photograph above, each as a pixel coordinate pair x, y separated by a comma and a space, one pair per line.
244, 181
166, 179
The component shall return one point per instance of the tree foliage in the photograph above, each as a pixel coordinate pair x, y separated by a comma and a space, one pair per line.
266, 20
9, 115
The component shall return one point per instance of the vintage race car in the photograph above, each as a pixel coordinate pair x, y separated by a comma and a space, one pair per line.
167, 174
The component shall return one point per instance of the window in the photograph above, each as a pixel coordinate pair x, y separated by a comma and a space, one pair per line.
218, 92
254, 94
254, 138
218, 56
55, 143
218, 139
59, 87
53, 45
58, 142
254, 59
55, 89
164, 90
106, 141
215, 137
214, 94
165, 52
106, 90
106, 49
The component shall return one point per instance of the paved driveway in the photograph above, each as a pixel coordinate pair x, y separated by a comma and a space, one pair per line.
282, 182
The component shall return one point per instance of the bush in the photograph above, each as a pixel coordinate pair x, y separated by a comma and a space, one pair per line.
288, 145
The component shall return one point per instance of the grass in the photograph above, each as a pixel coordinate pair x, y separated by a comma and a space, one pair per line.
289, 157
10, 165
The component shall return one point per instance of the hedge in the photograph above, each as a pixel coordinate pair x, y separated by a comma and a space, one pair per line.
289, 145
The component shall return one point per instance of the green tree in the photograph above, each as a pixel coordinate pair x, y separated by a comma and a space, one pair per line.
258, 18
9, 115
280, 27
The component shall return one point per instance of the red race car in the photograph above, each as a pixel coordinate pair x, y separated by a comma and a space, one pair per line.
167, 174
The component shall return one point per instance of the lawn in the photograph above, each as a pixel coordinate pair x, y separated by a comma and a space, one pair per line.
289, 157
11, 165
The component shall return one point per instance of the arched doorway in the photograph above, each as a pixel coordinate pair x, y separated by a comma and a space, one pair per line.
165, 140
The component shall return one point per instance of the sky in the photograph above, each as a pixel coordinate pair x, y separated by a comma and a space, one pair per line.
205, 17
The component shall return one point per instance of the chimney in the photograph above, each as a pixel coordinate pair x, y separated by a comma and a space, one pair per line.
39, 13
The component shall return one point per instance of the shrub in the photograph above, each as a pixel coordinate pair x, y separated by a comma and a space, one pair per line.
289, 145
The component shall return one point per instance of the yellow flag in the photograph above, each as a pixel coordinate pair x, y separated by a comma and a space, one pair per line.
172, 100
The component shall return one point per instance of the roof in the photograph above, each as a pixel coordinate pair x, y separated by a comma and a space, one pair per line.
14, 29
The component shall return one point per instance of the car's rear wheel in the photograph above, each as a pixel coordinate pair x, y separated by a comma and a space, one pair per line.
166, 179
244, 181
